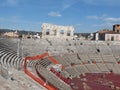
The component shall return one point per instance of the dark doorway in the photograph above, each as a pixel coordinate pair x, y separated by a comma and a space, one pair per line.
112, 38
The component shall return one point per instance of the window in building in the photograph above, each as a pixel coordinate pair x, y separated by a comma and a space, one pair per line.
118, 30
112, 38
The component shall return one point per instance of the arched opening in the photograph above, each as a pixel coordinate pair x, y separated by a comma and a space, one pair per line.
68, 33
61, 32
47, 31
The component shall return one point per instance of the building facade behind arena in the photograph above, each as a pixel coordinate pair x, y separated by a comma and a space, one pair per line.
50, 31
11, 34
108, 35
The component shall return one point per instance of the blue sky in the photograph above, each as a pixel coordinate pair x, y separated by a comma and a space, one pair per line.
84, 15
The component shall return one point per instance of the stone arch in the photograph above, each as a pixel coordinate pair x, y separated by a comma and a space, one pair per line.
68, 32
55, 30
61, 32
47, 31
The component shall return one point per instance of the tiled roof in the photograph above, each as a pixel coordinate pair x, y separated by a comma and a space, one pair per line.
106, 31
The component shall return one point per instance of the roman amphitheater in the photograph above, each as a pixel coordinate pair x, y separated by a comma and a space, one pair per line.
58, 61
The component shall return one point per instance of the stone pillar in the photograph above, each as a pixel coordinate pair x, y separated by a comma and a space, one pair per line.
51, 32
65, 30
71, 31
58, 31
54, 28
43, 31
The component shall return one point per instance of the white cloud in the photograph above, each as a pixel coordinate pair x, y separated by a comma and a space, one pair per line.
99, 25
97, 17
93, 17
102, 2
12, 2
89, 1
9, 3
112, 19
54, 14
66, 6
2, 19
106, 25
78, 25
105, 18
108, 22
15, 22
10, 19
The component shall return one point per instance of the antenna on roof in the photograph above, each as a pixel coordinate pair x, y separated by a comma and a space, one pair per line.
108, 26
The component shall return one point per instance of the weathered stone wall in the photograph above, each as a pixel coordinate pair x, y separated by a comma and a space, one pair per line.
50, 30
